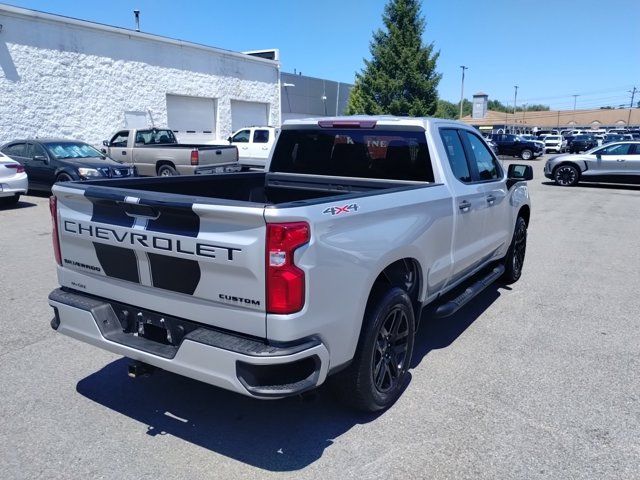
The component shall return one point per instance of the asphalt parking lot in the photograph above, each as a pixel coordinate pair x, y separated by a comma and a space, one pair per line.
539, 380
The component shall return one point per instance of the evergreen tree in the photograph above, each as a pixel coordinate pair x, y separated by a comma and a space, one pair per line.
401, 77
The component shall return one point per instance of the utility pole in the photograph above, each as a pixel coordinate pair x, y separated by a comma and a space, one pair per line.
633, 95
515, 98
575, 98
463, 67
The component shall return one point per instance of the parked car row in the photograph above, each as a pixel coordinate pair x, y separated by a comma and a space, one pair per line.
613, 163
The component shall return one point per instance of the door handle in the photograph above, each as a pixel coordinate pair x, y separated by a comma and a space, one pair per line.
620, 160
491, 199
124, 152
265, 148
465, 206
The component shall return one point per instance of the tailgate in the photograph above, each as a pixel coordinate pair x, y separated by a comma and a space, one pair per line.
165, 252
215, 155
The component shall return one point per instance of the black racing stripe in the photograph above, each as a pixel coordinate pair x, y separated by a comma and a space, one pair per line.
175, 274
118, 262
110, 213
107, 208
176, 221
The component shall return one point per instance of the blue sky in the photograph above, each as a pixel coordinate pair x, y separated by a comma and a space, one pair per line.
551, 49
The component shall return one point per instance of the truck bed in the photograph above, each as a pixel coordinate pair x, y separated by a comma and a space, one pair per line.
259, 188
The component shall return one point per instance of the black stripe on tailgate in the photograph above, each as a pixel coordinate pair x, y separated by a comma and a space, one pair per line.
175, 274
118, 262
170, 273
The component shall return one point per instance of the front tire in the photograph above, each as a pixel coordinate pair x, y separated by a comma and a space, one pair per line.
377, 375
526, 154
566, 176
64, 177
514, 261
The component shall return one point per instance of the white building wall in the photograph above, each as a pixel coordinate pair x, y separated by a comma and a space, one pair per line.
68, 78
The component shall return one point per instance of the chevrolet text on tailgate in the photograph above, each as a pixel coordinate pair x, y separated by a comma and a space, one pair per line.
317, 269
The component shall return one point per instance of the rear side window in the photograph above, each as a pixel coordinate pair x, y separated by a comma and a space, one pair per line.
261, 136
455, 154
16, 150
487, 165
365, 153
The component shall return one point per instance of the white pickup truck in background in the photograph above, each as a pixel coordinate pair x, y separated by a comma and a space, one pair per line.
254, 145
268, 283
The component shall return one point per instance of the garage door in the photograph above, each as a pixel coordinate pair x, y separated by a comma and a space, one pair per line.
193, 119
248, 114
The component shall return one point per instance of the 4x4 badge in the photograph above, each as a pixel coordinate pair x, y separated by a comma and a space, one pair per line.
337, 210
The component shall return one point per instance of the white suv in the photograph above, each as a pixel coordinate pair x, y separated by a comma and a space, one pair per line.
554, 143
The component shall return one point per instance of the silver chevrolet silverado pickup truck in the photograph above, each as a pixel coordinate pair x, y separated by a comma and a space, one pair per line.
156, 151
319, 268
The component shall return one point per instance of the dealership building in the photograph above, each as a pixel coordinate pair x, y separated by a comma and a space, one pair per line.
65, 77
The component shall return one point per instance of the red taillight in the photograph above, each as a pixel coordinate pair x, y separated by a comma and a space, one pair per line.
195, 157
285, 281
53, 208
19, 168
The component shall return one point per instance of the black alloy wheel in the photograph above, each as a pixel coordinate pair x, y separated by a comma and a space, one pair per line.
566, 175
378, 373
514, 261
390, 354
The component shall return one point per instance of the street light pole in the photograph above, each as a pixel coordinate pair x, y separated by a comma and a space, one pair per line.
575, 98
633, 96
463, 67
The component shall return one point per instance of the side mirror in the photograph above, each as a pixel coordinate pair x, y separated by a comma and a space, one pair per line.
599, 156
229, 139
519, 173
105, 143
41, 158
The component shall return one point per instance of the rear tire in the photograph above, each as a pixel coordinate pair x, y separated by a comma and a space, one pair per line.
526, 154
514, 260
13, 200
167, 171
377, 375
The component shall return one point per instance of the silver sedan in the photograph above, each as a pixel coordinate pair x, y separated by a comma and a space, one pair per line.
13, 181
617, 162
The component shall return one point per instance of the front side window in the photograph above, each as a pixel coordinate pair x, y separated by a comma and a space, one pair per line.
120, 139
241, 137
261, 136
620, 149
455, 154
487, 165
37, 151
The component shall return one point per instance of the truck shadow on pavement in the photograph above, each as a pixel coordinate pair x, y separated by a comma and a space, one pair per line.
436, 333
278, 435
275, 435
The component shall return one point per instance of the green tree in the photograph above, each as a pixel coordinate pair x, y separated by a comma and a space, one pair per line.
401, 77
452, 110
